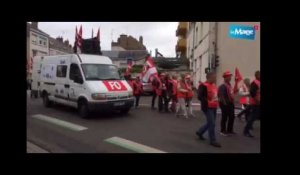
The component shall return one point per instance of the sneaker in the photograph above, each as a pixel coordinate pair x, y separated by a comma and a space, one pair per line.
215, 144
200, 136
185, 116
224, 134
248, 135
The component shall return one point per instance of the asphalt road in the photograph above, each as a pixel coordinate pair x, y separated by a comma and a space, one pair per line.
161, 131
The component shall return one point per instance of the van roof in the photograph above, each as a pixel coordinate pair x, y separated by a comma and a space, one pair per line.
94, 59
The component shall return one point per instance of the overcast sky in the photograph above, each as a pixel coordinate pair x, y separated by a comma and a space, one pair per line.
159, 35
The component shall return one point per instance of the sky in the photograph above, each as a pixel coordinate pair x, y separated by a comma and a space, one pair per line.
159, 35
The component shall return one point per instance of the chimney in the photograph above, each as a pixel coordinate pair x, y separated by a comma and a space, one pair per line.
66, 42
141, 40
34, 25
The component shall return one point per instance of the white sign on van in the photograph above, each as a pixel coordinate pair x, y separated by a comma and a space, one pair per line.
48, 72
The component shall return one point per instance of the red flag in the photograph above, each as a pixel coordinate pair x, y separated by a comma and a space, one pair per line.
79, 39
149, 70
98, 35
92, 33
76, 37
238, 76
129, 66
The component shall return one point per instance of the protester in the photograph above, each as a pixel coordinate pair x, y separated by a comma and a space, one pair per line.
181, 95
189, 95
244, 99
137, 90
254, 104
174, 93
154, 91
226, 99
162, 93
207, 94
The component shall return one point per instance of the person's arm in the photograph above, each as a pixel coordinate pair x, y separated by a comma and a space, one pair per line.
253, 90
201, 93
222, 93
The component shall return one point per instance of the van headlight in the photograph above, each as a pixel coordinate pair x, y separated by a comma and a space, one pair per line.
98, 96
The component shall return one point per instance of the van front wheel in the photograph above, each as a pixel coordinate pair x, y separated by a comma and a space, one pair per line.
83, 109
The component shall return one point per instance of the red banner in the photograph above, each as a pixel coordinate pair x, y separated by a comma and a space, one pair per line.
114, 85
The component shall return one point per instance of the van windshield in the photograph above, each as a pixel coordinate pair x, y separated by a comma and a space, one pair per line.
100, 72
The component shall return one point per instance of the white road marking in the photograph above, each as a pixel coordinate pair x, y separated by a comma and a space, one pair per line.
133, 146
61, 123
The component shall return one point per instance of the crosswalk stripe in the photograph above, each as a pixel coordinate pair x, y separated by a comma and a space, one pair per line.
59, 122
133, 146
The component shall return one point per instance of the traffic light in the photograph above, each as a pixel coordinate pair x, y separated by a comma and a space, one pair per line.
217, 61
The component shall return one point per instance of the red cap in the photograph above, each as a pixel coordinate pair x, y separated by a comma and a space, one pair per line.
226, 74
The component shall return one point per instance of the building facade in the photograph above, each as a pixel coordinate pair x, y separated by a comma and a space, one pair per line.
59, 47
128, 43
210, 41
181, 33
37, 44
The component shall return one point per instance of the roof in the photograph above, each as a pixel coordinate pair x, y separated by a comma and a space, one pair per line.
94, 59
124, 55
58, 45
30, 28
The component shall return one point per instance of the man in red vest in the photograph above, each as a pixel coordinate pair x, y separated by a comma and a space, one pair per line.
189, 96
254, 104
174, 93
137, 90
226, 100
207, 94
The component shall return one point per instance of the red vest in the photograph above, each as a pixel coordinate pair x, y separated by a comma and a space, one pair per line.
257, 97
182, 94
229, 91
190, 90
212, 95
138, 88
244, 99
158, 90
174, 82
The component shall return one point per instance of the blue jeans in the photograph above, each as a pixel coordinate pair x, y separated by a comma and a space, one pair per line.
210, 125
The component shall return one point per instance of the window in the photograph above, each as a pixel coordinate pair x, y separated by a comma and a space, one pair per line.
61, 71
196, 40
201, 31
40, 42
74, 71
100, 72
44, 43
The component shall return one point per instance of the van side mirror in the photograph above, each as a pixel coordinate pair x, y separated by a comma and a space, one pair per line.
78, 79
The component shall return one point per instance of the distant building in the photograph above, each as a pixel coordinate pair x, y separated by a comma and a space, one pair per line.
119, 58
37, 44
59, 47
181, 45
128, 43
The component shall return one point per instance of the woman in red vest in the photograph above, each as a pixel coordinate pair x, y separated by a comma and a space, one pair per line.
190, 95
137, 90
244, 100
174, 93
207, 94
181, 95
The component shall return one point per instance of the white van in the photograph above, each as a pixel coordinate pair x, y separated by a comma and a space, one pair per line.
86, 82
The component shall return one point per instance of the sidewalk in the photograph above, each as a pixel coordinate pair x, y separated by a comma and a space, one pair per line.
32, 148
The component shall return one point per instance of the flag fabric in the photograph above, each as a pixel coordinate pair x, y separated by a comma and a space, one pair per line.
238, 76
98, 35
129, 66
149, 70
79, 40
